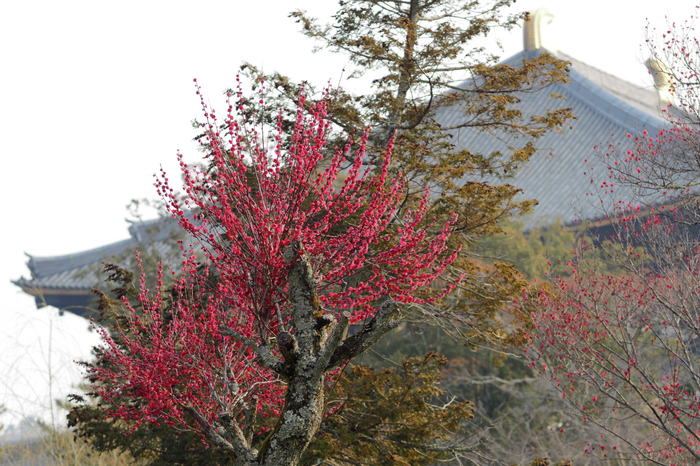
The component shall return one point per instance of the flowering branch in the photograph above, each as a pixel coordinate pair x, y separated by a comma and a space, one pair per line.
295, 259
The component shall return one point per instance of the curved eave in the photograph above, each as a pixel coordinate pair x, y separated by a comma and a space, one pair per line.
52, 265
35, 291
74, 300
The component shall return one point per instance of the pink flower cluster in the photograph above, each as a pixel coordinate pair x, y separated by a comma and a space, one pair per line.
256, 198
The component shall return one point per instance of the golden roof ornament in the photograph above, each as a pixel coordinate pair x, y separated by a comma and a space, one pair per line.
662, 80
532, 30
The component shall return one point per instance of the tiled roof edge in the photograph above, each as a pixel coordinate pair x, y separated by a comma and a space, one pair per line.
33, 289
44, 266
611, 106
618, 110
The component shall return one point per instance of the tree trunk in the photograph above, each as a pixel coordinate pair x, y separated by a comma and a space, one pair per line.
303, 407
299, 421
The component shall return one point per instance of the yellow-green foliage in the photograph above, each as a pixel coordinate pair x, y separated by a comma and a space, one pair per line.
60, 448
529, 251
391, 416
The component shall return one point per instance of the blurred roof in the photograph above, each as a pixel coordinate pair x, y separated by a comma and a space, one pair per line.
65, 281
645, 99
607, 107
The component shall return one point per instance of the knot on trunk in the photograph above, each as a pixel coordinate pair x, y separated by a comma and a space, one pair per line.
290, 253
226, 422
323, 320
287, 345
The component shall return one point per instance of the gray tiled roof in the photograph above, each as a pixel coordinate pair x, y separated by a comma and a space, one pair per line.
604, 105
645, 99
64, 271
66, 280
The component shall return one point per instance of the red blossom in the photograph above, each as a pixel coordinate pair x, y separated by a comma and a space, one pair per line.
255, 203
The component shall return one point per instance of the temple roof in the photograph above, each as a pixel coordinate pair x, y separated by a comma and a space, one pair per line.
65, 281
604, 105
645, 99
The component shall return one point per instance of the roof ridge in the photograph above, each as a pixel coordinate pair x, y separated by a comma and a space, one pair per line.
642, 98
621, 113
574, 61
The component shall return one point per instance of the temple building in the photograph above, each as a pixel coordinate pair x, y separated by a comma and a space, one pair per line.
64, 282
606, 107
604, 104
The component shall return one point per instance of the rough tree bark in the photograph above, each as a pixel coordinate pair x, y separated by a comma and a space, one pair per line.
318, 345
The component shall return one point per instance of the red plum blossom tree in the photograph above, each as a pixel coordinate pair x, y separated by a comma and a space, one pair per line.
619, 338
250, 340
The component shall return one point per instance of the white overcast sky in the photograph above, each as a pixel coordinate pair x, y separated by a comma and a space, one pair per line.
96, 95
